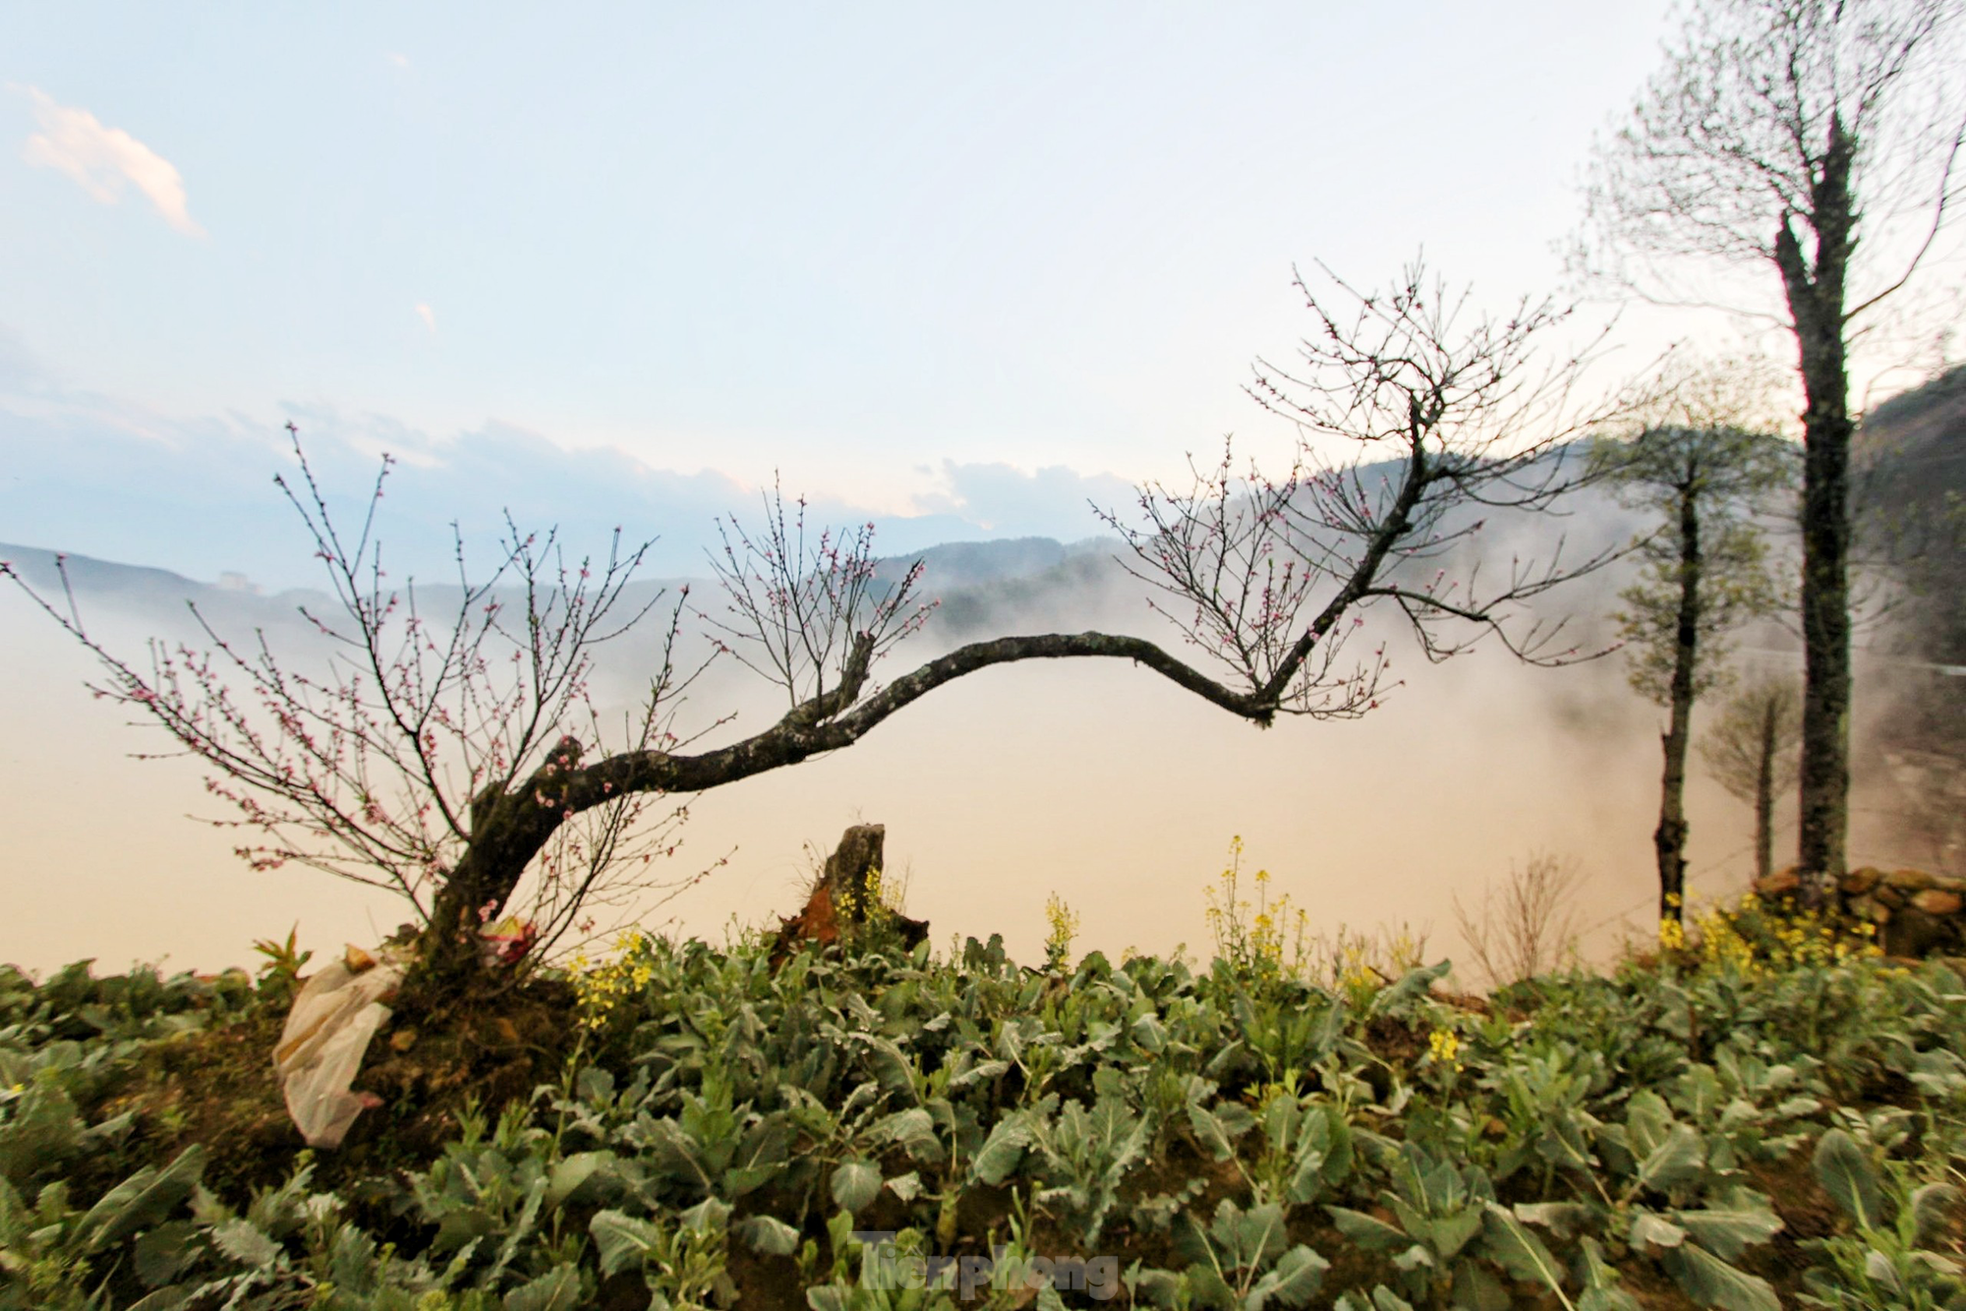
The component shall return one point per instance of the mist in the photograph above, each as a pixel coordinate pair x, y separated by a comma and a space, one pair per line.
1090, 779
1094, 780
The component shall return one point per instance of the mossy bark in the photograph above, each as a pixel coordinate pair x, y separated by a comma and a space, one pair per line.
1669, 839
1815, 291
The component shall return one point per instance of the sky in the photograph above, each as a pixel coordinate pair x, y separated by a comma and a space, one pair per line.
968, 267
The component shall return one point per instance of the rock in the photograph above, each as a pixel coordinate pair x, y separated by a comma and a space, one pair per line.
1909, 880
1914, 934
845, 894
1937, 901
1859, 881
1782, 883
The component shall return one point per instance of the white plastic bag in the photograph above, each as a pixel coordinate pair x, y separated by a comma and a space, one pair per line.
335, 1014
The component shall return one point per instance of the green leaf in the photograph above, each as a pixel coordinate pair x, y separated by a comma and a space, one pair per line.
1561, 1218
1153, 1286
166, 1252
243, 1241
1476, 1289
709, 1216
1451, 1233
1601, 1291
1217, 1129
583, 1173
1234, 1240
768, 1235
1307, 1180
1848, 1177
855, 1184
762, 1155
1562, 1142
1247, 1239
1338, 1157
890, 1065
556, 1290
622, 1240
1206, 1287
1711, 1282
1678, 1160
1519, 1251
519, 1229
1930, 1207
1293, 1281
142, 1200
1366, 1230
1647, 1120
1649, 1230
595, 1085
351, 1257
1001, 1151
980, 1072
1412, 986
911, 1130
1224, 1062
1606, 1299
1743, 1220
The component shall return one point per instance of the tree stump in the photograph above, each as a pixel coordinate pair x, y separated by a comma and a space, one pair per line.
846, 896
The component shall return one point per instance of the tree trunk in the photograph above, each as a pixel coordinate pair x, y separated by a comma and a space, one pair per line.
1815, 293
1764, 791
1670, 837
508, 828
1826, 640
847, 896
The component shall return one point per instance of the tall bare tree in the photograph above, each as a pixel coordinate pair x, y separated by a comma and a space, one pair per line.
442, 759
1815, 139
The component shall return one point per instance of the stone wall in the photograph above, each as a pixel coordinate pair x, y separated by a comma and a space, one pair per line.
1916, 913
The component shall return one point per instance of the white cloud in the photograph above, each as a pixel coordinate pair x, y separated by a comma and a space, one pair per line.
101, 159
429, 317
1010, 502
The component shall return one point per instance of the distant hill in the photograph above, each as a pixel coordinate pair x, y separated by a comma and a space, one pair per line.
970, 564
996, 586
949, 566
1911, 505
105, 578
1910, 502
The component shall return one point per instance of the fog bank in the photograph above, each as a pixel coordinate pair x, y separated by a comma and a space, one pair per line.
1095, 780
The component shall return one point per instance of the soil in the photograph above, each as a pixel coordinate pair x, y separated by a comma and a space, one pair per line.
435, 1056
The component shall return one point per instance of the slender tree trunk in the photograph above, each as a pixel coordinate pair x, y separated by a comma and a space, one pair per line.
1815, 292
1764, 792
1670, 837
